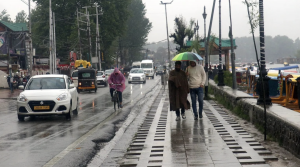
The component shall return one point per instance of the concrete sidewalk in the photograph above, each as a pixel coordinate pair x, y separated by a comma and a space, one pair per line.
216, 140
7, 94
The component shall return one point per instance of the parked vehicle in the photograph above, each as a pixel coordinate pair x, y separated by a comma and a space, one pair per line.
126, 71
74, 77
47, 95
101, 78
136, 64
147, 66
137, 75
108, 72
286, 64
87, 80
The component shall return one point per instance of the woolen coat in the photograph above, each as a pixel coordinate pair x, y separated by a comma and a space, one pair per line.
178, 90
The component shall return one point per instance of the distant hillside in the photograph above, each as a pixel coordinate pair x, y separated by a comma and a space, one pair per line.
155, 46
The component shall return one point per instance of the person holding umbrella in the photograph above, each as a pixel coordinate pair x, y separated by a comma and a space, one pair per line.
178, 91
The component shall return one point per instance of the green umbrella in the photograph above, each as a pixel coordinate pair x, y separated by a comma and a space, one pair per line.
187, 56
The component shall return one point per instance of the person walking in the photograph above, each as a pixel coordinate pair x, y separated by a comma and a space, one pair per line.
196, 75
178, 91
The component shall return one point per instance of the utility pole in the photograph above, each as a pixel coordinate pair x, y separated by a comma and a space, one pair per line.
88, 29
98, 52
169, 58
79, 41
30, 42
50, 37
54, 45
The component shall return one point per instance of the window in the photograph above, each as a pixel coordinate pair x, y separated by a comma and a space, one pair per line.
75, 74
99, 73
147, 65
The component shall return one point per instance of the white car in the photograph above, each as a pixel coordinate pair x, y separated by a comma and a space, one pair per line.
136, 75
47, 95
101, 78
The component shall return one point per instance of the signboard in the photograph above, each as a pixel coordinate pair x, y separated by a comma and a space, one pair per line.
73, 56
3, 47
95, 60
102, 57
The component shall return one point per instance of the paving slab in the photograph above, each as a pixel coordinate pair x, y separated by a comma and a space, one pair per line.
216, 140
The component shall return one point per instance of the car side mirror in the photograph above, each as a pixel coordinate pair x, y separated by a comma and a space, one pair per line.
21, 87
72, 86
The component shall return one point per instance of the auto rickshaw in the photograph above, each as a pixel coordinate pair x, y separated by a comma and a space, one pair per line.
87, 80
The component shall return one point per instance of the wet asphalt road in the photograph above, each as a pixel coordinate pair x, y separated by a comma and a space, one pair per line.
55, 141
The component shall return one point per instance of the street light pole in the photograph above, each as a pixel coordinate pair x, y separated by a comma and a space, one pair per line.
234, 86
30, 39
206, 55
162, 3
263, 81
220, 74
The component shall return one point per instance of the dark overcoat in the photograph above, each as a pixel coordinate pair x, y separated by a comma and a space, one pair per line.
178, 90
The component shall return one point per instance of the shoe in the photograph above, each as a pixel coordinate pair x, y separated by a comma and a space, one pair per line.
196, 117
177, 118
121, 106
112, 99
200, 116
183, 116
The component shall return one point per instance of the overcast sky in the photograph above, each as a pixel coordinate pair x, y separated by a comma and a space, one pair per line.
281, 16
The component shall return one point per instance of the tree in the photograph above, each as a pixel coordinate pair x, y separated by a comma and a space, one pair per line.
112, 23
181, 32
4, 16
21, 17
137, 29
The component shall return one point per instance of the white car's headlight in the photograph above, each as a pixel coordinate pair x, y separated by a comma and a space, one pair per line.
63, 96
22, 98
143, 76
129, 76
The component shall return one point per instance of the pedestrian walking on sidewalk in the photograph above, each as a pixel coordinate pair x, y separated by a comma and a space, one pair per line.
196, 76
178, 91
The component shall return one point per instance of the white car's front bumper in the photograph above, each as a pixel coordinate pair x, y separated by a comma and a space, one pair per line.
55, 107
136, 79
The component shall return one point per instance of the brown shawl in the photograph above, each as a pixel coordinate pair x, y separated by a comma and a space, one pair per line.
178, 90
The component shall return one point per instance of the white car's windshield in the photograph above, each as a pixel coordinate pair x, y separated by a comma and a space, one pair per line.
136, 71
46, 83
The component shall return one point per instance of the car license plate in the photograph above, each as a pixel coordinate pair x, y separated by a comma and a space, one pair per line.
41, 107
147, 74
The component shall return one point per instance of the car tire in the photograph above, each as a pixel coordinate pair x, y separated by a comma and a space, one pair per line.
144, 82
129, 82
75, 112
21, 118
68, 115
95, 90
105, 85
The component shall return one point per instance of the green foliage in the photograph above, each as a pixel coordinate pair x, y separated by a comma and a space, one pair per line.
112, 25
254, 13
182, 31
21, 17
135, 36
4, 16
297, 54
227, 78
